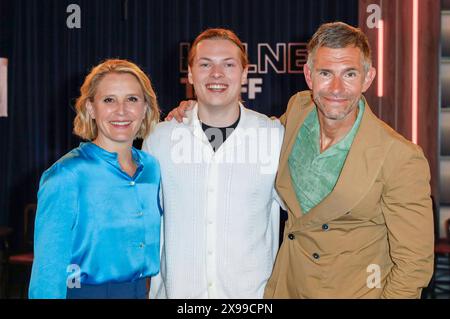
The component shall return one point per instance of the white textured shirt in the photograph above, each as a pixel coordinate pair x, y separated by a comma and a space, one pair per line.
221, 213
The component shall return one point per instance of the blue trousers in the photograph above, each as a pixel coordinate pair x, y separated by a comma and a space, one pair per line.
126, 290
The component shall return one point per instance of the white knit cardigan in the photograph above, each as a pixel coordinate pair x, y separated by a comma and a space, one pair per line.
221, 211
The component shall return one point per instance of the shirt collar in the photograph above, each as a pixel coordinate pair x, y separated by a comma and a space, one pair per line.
346, 142
110, 157
313, 132
194, 124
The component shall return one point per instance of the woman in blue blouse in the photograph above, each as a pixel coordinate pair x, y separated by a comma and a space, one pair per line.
98, 218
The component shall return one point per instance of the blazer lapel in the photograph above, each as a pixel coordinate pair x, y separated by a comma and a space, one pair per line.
360, 170
293, 125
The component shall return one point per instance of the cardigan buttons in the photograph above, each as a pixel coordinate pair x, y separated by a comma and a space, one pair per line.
316, 256
325, 227
132, 183
291, 236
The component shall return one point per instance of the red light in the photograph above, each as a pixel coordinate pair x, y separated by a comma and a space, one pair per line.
380, 57
415, 66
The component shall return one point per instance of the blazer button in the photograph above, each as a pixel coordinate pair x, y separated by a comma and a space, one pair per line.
316, 256
291, 236
325, 227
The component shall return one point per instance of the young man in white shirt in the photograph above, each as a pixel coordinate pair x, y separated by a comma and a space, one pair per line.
218, 167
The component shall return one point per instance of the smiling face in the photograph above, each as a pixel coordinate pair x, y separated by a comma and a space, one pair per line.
337, 80
217, 73
118, 109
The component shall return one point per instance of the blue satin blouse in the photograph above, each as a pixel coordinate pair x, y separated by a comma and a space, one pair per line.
94, 223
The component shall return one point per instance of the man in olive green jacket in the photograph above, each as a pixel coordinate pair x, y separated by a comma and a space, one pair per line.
363, 228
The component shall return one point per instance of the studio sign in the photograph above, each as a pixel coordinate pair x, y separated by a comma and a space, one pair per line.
281, 58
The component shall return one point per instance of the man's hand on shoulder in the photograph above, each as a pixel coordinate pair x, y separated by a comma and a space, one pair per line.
180, 111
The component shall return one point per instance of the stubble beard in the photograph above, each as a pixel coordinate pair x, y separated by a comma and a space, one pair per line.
335, 117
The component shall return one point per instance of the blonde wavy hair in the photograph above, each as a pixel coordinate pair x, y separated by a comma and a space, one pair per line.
85, 126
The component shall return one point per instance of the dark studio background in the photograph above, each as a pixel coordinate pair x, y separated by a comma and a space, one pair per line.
47, 63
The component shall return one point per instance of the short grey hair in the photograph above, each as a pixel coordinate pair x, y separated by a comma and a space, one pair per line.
337, 35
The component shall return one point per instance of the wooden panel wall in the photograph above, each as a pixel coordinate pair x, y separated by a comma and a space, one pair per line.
395, 106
